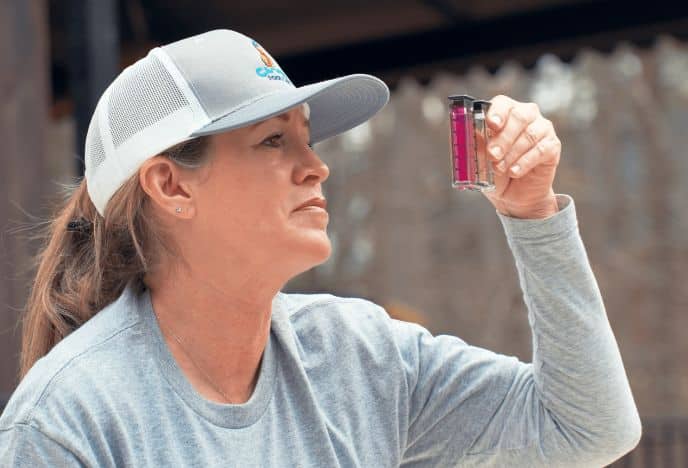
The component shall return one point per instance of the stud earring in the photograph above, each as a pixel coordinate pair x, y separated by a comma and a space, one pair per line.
178, 209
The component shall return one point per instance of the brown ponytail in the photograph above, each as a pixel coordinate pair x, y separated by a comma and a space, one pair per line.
87, 260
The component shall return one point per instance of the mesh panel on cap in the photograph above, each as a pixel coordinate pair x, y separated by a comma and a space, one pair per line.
143, 96
95, 153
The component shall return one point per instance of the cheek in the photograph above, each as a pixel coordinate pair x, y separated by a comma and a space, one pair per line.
247, 197
244, 208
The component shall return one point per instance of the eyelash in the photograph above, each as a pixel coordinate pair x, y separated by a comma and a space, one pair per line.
280, 135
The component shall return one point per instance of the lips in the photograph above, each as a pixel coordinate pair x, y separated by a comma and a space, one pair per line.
316, 201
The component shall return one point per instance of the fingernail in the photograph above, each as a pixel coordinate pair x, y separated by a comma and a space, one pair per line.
501, 166
496, 151
496, 119
515, 168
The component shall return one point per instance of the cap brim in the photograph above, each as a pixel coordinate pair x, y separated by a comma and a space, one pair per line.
336, 106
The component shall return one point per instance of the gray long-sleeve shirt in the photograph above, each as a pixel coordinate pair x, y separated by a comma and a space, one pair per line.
343, 384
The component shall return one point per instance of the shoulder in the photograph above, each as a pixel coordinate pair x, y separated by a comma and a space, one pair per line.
81, 360
349, 313
325, 308
335, 324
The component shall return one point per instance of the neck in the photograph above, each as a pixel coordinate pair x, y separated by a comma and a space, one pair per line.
223, 329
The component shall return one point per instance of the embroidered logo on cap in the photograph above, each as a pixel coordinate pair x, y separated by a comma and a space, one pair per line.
270, 70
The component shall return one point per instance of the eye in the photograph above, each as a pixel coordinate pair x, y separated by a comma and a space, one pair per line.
277, 136
273, 137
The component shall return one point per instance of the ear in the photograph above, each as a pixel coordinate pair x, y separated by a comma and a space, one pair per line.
168, 186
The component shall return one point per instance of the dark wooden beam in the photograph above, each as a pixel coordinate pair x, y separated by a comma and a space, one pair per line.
612, 20
446, 9
93, 60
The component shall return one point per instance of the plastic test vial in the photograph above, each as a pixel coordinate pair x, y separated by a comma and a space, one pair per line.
461, 141
484, 174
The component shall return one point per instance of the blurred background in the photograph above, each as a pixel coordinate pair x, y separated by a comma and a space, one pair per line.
612, 76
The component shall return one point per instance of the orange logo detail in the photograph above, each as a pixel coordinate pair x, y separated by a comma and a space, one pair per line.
267, 60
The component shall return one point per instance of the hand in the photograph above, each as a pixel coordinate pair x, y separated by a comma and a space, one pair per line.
526, 160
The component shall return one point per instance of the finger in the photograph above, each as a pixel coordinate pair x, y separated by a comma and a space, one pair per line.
546, 152
519, 117
499, 109
529, 137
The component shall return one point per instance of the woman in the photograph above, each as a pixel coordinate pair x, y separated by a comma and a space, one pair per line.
156, 333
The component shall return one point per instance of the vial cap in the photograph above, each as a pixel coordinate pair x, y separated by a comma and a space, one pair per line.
464, 100
482, 105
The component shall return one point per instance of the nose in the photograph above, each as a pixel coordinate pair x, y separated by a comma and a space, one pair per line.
311, 166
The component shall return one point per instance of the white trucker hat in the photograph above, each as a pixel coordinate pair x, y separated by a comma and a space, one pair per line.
208, 83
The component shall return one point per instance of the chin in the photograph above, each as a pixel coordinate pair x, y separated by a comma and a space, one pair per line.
313, 248
302, 246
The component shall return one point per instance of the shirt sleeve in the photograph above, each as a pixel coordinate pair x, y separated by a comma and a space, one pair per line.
23, 445
572, 406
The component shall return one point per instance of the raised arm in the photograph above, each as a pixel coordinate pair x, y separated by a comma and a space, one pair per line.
572, 406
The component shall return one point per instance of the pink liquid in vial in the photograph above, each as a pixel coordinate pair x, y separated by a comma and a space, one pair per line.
462, 140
